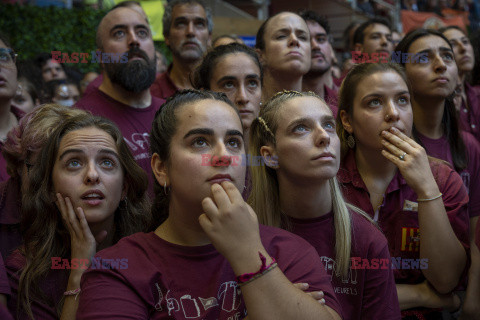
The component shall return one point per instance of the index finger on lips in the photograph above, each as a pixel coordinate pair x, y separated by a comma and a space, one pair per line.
397, 141
232, 192
220, 197
404, 137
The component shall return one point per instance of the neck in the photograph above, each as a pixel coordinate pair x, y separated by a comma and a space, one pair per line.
462, 77
181, 72
427, 116
275, 82
316, 83
373, 166
305, 200
109, 226
7, 118
181, 226
138, 100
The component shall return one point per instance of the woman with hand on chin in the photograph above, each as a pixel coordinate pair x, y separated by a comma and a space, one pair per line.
437, 129
389, 176
85, 194
208, 258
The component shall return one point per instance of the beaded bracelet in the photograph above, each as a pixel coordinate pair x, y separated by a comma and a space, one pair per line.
245, 278
430, 199
74, 292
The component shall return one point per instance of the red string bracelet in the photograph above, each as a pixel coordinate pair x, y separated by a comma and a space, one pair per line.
245, 278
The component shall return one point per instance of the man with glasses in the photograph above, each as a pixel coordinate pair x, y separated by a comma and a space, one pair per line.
319, 78
9, 115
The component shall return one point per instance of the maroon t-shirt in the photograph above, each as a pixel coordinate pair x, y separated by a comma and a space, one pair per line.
168, 281
439, 148
53, 287
398, 214
134, 123
331, 98
4, 286
477, 235
366, 293
93, 85
163, 87
10, 206
470, 117
4, 314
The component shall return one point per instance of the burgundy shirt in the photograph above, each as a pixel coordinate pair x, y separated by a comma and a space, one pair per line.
10, 206
398, 215
439, 148
4, 314
53, 287
134, 123
163, 87
364, 293
4, 286
93, 85
331, 98
168, 281
3, 164
470, 118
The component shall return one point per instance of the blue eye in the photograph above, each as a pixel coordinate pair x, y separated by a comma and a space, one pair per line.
228, 85
300, 128
253, 84
403, 100
73, 164
108, 163
199, 143
330, 125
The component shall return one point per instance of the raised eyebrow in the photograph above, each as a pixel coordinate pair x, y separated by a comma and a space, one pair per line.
234, 133
67, 152
109, 152
297, 121
226, 78
328, 118
253, 76
204, 131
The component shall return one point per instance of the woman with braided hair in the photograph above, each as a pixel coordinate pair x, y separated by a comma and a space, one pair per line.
297, 189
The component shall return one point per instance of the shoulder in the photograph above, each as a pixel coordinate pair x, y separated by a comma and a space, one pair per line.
130, 246
365, 234
272, 236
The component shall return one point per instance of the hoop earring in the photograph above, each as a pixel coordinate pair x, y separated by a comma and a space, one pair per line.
351, 141
165, 188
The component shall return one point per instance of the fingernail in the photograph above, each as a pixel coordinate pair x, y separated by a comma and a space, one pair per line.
384, 133
322, 301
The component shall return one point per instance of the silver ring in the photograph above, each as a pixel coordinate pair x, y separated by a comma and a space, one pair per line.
402, 157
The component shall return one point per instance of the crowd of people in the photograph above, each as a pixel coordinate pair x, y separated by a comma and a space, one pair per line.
242, 183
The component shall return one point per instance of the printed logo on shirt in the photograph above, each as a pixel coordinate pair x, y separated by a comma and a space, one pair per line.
410, 239
410, 206
348, 284
185, 306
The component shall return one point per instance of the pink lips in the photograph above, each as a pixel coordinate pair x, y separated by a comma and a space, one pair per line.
219, 178
324, 156
93, 197
441, 80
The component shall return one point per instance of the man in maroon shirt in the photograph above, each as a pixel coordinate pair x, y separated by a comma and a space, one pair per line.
124, 95
319, 78
187, 28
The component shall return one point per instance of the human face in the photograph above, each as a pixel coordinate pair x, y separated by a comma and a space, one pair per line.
205, 128
52, 70
438, 77
189, 37
125, 30
321, 49
462, 49
377, 38
66, 95
88, 171
23, 100
381, 101
238, 76
287, 45
307, 145
8, 79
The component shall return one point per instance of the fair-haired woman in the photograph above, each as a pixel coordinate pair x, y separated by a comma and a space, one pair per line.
296, 189
208, 258
437, 129
85, 194
283, 45
389, 176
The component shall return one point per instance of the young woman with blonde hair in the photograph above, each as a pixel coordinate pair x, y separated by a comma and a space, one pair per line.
295, 188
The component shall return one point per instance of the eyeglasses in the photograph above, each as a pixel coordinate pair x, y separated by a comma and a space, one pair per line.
7, 57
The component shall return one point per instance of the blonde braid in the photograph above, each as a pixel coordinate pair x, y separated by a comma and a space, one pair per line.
265, 126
